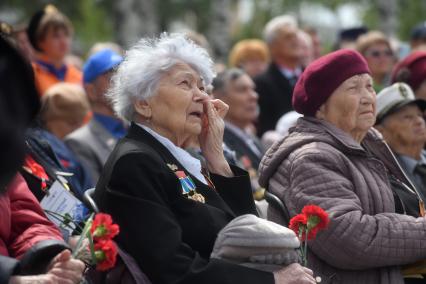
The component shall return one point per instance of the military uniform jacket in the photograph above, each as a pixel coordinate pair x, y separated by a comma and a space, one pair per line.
170, 235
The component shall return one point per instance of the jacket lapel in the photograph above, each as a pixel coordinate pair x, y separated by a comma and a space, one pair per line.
212, 197
240, 146
280, 80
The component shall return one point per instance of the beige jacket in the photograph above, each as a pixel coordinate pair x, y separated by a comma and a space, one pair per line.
366, 241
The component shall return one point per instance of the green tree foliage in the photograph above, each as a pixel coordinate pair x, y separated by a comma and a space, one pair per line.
93, 23
411, 13
94, 19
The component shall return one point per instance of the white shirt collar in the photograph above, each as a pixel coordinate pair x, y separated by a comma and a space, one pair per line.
289, 73
191, 164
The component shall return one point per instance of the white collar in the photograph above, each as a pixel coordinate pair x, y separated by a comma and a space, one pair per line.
191, 164
289, 73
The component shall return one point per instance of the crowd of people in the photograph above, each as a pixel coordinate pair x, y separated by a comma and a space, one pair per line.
175, 146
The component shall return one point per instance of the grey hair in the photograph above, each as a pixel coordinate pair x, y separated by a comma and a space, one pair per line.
276, 24
138, 75
224, 78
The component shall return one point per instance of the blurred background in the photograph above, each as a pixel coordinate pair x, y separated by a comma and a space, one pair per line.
223, 22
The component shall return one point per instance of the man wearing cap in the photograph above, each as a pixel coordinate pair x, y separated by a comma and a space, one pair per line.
400, 120
93, 142
418, 37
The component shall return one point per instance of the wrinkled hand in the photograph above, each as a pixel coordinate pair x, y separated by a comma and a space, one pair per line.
211, 137
294, 274
39, 279
63, 269
66, 269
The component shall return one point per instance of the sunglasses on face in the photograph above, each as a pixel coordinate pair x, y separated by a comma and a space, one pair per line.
379, 53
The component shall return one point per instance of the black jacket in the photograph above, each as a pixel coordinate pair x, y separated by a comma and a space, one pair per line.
275, 94
170, 236
239, 145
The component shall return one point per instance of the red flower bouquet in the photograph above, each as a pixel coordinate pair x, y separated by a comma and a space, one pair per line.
98, 231
106, 254
306, 226
103, 228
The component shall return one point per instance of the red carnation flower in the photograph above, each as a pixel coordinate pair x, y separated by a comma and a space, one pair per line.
298, 225
103, 228
106, 254
316, 216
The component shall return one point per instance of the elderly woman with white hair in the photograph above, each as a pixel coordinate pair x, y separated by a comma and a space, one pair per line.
169, 209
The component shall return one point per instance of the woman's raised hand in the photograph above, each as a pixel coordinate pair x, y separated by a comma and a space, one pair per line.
211, 137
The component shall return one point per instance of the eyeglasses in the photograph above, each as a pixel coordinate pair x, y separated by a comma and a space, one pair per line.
379, 53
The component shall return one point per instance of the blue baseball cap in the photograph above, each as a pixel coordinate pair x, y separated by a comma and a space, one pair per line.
99, 63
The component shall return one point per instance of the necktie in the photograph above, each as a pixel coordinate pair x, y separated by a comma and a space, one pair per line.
293, 80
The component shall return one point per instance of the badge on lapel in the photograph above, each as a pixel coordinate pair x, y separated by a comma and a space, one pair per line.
187, 184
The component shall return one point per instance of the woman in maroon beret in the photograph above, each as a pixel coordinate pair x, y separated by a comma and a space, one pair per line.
333, 158
412, 70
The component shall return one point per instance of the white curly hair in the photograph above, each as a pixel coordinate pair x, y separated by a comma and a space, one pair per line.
144, 64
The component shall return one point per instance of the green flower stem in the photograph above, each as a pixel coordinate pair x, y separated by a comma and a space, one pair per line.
83, 235
301, 230
62, 218
305, 260
92, 248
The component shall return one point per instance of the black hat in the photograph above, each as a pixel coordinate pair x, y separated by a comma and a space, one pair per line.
419, 32
35, 23
352, 34
33, 27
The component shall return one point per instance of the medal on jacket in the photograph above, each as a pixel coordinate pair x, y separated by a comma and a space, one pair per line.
188, 187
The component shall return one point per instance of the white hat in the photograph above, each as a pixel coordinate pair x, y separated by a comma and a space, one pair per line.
394, 97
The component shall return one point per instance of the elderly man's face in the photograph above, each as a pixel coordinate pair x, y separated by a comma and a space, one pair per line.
405, 127
177, 107
242, 100
96, 92
352, 106
287, 44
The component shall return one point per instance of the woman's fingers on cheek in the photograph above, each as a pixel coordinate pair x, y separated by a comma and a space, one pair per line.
221, 107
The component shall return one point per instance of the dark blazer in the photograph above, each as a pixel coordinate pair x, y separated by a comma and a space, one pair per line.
275, 94
169, 235
239, 145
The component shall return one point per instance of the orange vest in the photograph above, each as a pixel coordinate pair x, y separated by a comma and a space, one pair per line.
44, 79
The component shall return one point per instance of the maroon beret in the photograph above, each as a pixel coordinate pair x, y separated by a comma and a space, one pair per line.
411, 70
324, 75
